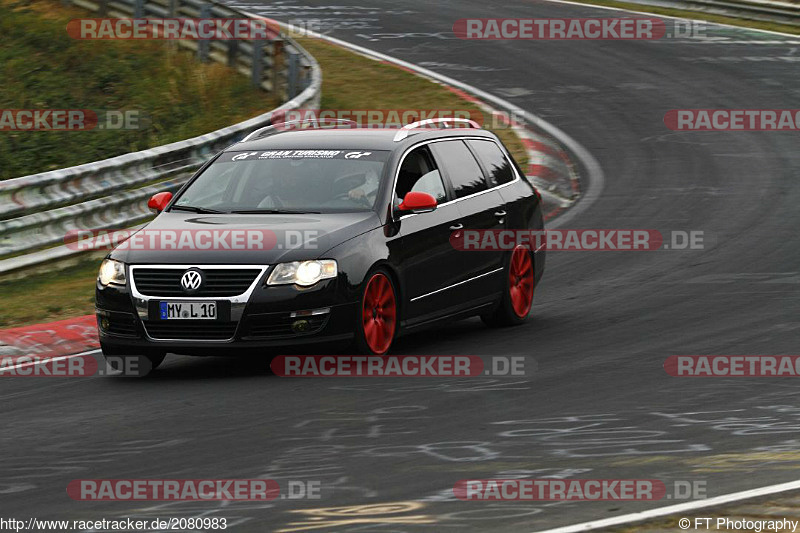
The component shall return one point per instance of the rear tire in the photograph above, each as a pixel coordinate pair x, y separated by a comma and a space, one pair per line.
377, 317
515, 305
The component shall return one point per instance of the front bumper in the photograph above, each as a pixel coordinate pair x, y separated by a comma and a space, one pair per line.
260, 317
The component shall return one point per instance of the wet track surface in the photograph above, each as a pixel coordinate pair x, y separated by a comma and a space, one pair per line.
599, 405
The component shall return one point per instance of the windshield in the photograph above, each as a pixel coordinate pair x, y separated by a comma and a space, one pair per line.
277, 181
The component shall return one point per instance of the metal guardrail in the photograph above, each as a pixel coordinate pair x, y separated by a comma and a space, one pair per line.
37, 211
761, 10
758, 10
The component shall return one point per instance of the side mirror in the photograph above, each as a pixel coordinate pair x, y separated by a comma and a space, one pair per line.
417, 202
159, 201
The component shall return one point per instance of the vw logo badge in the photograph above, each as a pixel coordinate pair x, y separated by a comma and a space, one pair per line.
191, 280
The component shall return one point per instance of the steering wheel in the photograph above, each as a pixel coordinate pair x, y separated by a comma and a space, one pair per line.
345, 196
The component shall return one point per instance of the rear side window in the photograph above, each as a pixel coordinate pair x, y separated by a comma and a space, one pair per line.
464, 172
494, 161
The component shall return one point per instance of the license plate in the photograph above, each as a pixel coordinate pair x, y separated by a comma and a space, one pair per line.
187, 310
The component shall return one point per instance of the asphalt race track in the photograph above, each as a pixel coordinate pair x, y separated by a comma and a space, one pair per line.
387, 452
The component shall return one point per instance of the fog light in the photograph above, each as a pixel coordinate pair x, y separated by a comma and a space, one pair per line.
300, 326
104, 323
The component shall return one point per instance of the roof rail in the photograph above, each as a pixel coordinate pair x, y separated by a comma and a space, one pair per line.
409, 129
274, 129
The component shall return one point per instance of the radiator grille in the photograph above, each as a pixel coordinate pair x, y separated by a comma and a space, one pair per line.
184, 330
217, 281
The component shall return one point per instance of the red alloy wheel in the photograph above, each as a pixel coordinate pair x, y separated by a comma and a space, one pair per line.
520, 281
379, 313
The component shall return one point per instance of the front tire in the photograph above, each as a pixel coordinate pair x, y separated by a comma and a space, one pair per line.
517, 299
377, 318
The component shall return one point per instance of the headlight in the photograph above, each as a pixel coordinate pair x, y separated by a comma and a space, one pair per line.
111, 272
304, 273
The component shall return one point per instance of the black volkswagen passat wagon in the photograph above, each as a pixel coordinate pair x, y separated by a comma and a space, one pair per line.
323, 234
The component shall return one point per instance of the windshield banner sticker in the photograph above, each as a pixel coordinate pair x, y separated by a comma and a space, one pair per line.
360, 155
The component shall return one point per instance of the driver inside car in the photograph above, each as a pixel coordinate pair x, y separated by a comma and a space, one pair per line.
269, 199
276, 195
279, 195
366, 192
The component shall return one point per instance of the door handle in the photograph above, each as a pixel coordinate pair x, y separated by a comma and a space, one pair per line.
457, 227
499, 214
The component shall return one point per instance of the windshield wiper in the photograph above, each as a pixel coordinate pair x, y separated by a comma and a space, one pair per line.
274, 212
194, 209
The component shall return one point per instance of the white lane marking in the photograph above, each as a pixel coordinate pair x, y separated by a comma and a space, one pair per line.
609, 8
42, 359
675, 509
591, 187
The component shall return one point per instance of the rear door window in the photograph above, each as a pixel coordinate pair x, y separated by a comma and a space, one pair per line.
461, 167
494, 161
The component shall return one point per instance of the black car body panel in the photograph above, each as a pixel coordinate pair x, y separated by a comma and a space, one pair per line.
326, 232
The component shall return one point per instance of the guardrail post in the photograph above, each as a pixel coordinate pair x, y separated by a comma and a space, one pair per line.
233, 51
277, 58
293, 74
172, 7
138, 9
204, 45
306, 77
102, 8
257, 72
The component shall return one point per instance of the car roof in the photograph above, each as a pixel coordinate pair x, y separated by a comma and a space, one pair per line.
350, 138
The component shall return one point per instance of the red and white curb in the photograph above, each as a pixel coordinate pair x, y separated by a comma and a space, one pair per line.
53, 339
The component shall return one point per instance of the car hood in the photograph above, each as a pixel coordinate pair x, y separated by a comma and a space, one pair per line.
253, 239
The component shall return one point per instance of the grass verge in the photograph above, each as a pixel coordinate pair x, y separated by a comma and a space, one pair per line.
43, 68
45, 297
